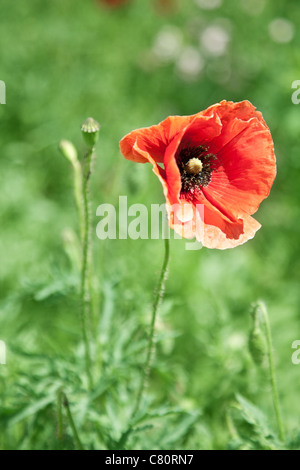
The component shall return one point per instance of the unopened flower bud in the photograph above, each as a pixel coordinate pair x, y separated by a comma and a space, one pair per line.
257, 338
68, 150
257, 345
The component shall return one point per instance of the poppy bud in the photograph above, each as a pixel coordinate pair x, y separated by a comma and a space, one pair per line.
257, 337
90, 130
257, 346
68, 150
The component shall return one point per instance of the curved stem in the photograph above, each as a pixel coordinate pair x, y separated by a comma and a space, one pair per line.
151, 342
78, 190
272, 373
86, 259
60, 430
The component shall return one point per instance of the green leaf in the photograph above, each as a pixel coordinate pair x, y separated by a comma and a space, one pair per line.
252, 427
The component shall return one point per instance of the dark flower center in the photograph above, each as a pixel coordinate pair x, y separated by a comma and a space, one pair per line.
196, 166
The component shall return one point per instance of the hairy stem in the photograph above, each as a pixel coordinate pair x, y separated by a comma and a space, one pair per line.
151, 341
60, 430
78, 191
272, 372
86, 262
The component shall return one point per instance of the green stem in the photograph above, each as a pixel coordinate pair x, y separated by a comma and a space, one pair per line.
77, 441
60, 430
151, 342
86, 260
69, 151
78, 190
272, 373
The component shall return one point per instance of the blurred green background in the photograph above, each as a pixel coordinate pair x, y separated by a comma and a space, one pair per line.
129, 67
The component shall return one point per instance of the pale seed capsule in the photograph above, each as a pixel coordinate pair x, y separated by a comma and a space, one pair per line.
194, 166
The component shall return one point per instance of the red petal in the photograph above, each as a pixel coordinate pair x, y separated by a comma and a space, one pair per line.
153, 140
200, 130
247, 170
217, 236
209, 227
160, 172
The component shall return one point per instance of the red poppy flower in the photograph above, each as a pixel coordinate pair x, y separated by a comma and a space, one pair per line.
219, 162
